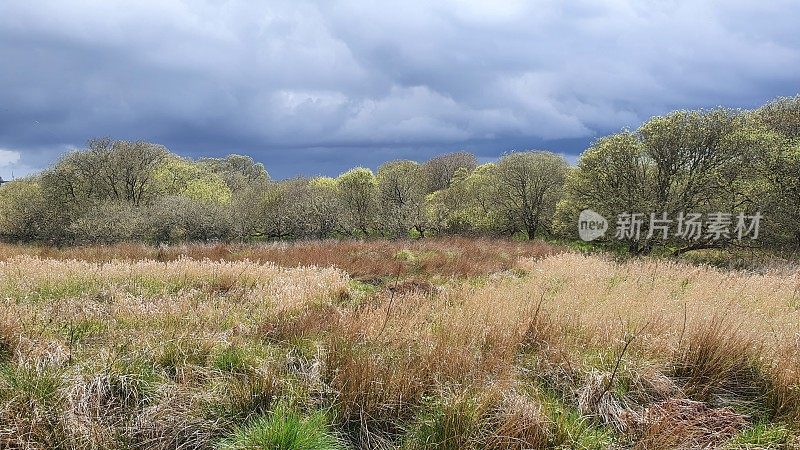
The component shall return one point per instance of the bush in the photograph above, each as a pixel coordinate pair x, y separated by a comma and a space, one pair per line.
110, 222
178, 219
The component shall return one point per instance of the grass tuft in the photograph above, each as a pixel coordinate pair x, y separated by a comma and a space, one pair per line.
284, 429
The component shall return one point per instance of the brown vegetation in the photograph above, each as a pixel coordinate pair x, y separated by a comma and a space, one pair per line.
458, 256
564, 351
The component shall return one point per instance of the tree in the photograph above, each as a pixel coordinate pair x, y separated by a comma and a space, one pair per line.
782, 115
357, 191
780, 169
182, 177
111, 222
612, 176
177, 219
237, 171
275, 210
323, 206
24, 215
439, 171
115, 170
247, 214
131, 170
684, 162
401, 197
780, 193
527, 186
465, 206
284, 207
696, 155
697, 165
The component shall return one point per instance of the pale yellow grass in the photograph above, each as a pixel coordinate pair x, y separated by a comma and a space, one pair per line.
666, 300
716, 348
146, 302
656, 351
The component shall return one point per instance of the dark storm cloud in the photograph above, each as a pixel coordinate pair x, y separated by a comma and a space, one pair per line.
311, 87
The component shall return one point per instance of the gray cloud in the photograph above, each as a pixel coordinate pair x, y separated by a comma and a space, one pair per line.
316, 87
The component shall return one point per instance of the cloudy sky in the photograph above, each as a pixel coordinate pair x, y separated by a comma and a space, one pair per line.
316, 87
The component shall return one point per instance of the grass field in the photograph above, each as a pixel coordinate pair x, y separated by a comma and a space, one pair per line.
432, 344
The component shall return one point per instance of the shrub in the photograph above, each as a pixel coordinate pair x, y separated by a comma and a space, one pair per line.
110, 222
180, 219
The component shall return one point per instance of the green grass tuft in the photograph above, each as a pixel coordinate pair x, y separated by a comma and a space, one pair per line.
234, 359
284, 429
445, 424
761, 436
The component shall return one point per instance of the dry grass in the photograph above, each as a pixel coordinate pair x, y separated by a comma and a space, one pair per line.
564, 351
458, 256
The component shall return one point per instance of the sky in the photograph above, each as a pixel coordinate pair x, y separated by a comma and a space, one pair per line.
315, 88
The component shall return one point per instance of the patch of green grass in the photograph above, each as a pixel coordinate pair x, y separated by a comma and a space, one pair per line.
133, 381
604, 360
614, 281
761, 436
152, 286
234, 359
445, 424
301, 348
29, 385
284, 429
181, 353
244, 396
81, 330
556, 284
571, 430
359, 291
70, 287
31, 407
405, 255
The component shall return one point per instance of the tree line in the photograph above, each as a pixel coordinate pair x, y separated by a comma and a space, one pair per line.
700, 161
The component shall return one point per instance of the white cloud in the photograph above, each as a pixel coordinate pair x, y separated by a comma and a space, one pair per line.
9, 158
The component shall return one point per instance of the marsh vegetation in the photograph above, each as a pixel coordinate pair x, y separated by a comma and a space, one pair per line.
431, 344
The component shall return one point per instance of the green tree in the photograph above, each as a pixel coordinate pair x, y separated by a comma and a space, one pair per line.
466, 205
780, 193
177, 219
24, 213
686, 161
237, 171
357, 197
780, 169
439, 171
613, 176
401, 197
110, 222
323, 206
783, 116
182, 177
526, 186
108, 169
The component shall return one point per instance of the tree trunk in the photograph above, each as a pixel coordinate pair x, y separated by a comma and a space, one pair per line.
531, 229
